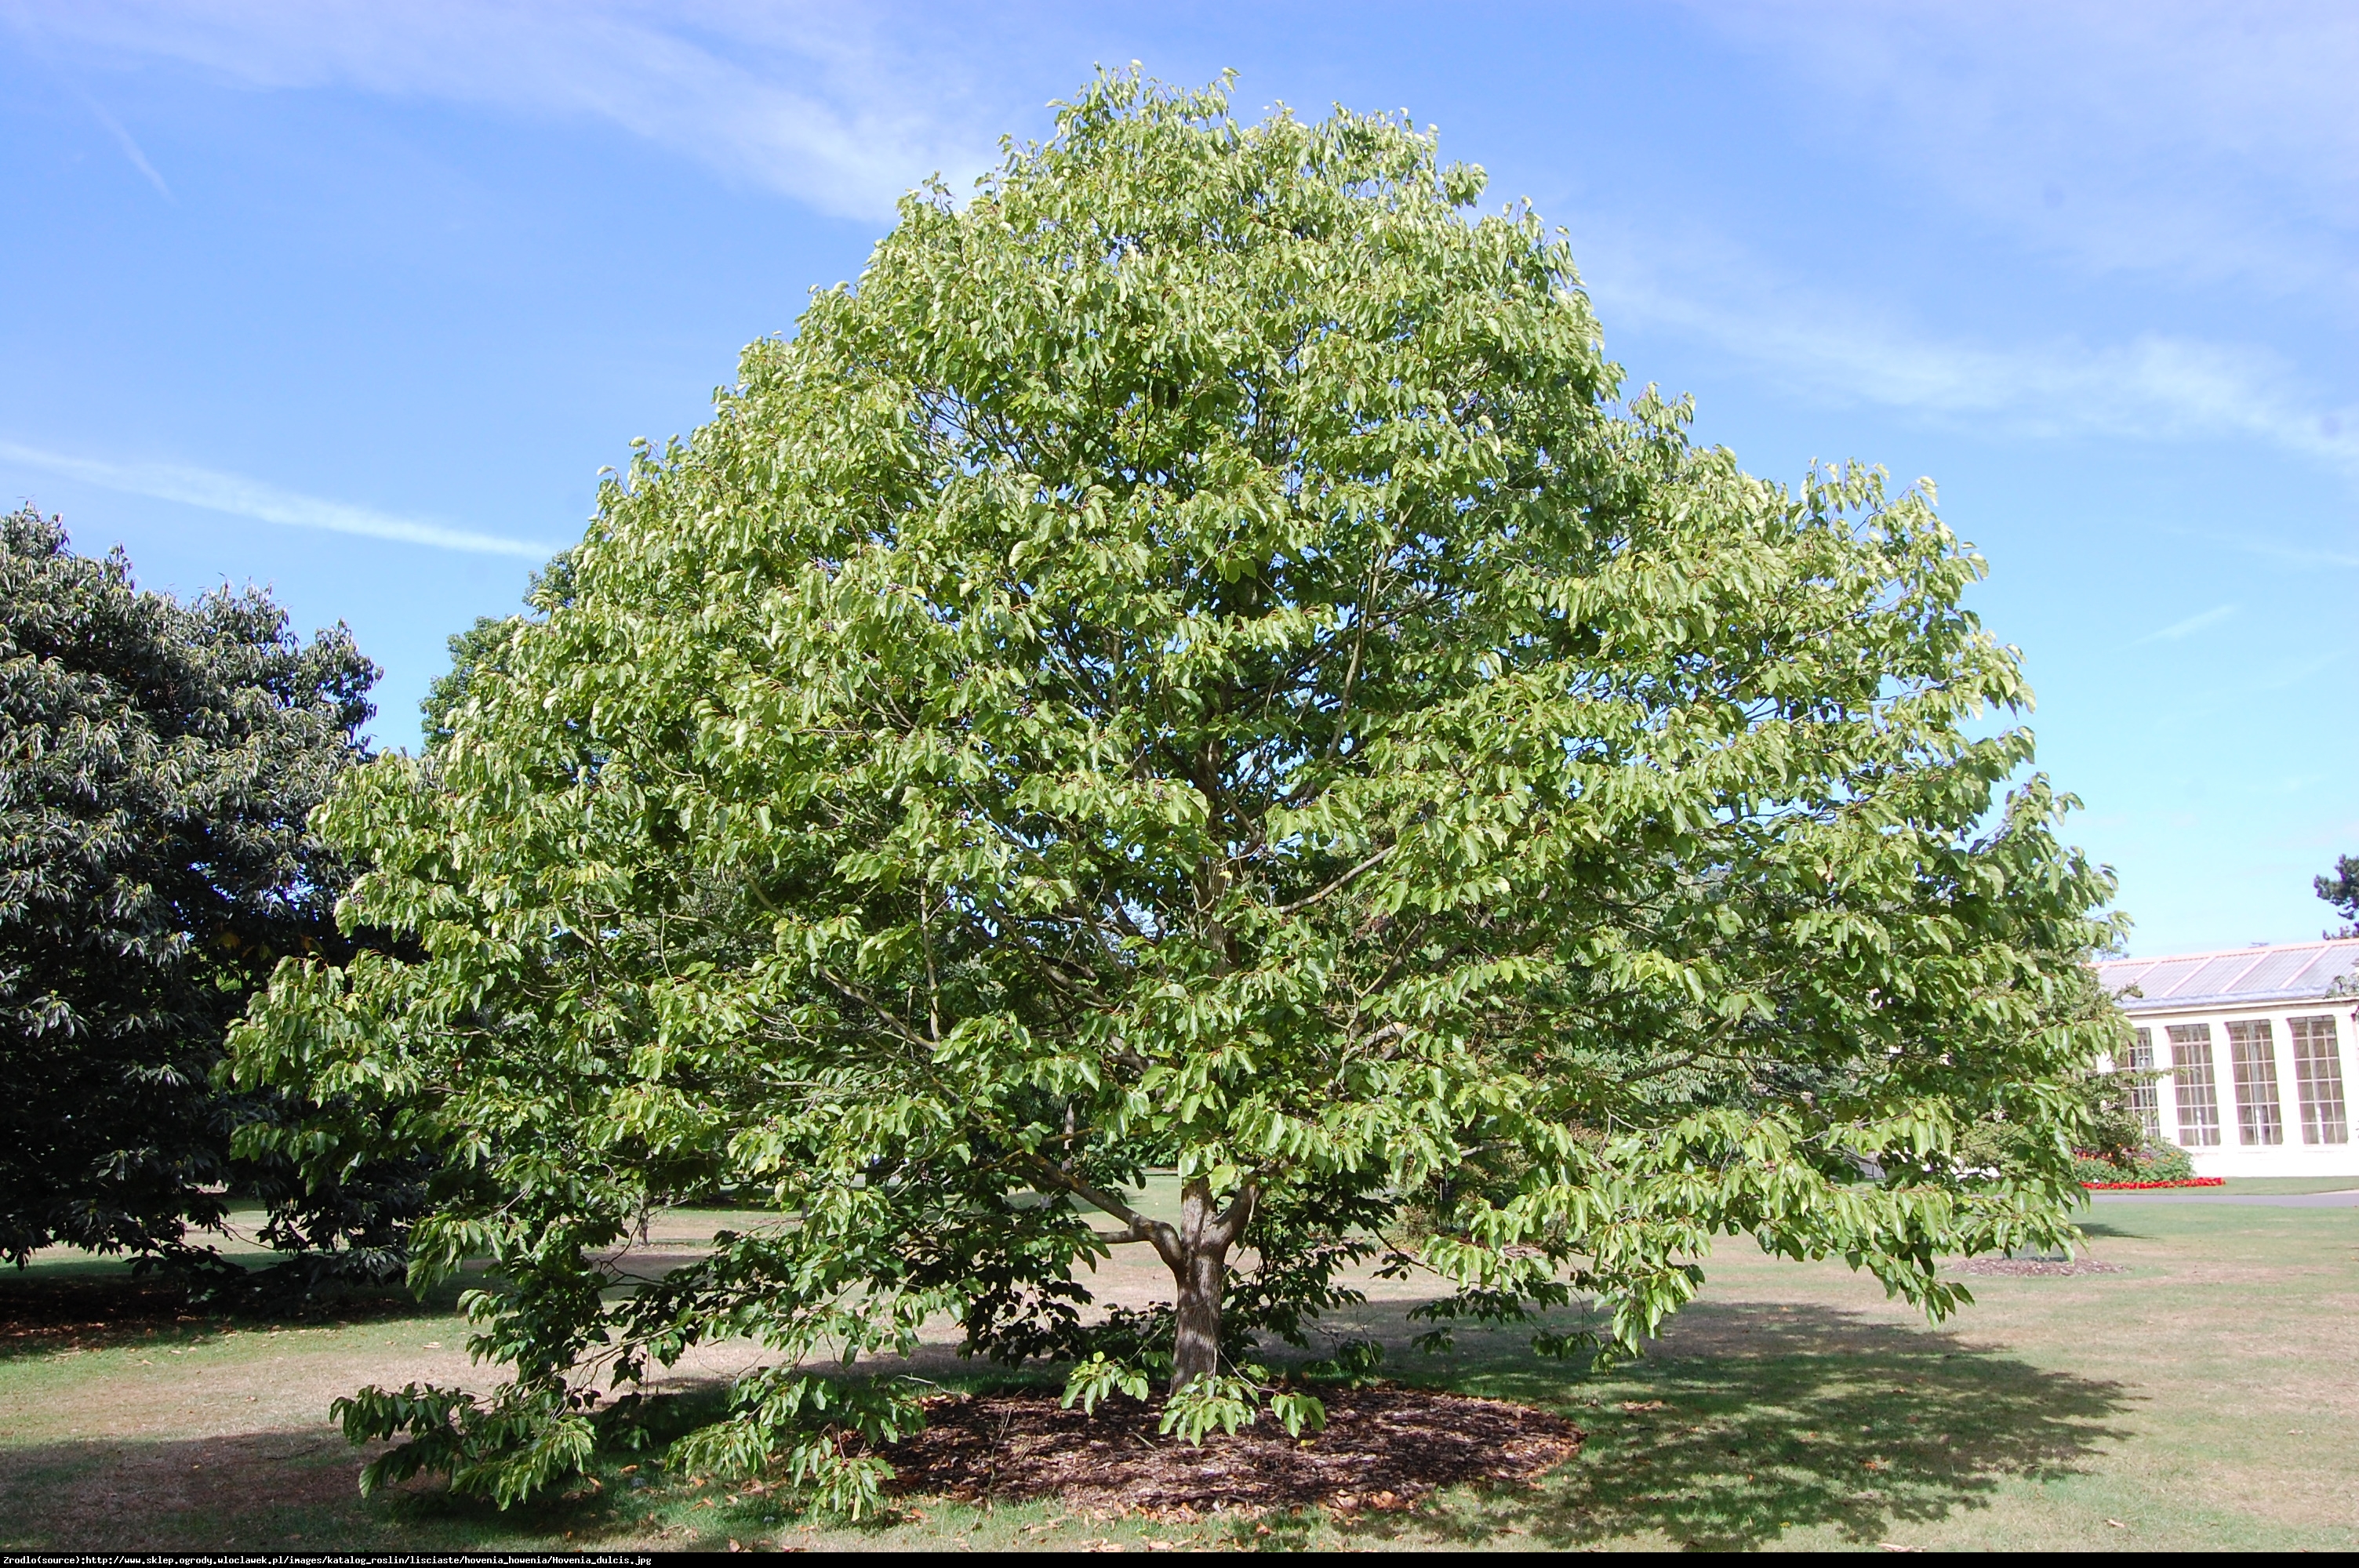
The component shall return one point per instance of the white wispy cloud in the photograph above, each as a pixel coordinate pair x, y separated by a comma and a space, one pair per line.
1845, 352
2188, 627
2271, 550
843, 107
242, 497
2205, 139
16, 21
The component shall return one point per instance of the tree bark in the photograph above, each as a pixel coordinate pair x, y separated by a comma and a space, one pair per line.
1197, 1350
1198, 1257
1196, 1250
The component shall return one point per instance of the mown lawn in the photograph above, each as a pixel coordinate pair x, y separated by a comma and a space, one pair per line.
2202, 1398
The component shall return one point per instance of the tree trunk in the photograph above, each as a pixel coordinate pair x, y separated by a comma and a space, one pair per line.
1197, 1352
1198, 1257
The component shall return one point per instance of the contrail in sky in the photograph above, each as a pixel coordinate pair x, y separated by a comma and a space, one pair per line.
242, 497
130, 149
2173, 633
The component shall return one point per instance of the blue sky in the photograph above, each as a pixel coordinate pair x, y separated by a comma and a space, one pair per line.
356, 299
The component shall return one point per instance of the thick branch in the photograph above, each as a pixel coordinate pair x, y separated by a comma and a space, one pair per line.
1231, 1224
851, 992
1138, 1226
1340, 882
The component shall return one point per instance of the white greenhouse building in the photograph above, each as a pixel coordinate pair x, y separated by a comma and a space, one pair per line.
2254, 1048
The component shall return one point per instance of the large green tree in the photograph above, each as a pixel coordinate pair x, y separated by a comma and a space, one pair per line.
1189, 662
157, 763
480, 644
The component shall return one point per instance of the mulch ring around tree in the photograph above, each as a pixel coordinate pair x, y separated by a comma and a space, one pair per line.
1383, 1449
2041, 1267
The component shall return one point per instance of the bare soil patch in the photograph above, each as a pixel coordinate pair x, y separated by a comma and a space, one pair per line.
2037, 1266
1383, 1449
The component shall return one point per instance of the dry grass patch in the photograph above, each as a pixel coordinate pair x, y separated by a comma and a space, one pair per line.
2199, 1398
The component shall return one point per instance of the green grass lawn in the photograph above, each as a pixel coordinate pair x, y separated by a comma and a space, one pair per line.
2202, 1398
2287, 1184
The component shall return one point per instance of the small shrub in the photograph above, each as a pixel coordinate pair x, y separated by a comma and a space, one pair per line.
2154, 1162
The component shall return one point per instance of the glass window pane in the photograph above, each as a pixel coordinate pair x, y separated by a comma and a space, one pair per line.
2146, 1096
2192, 1085
2318, 1080
2253, 1063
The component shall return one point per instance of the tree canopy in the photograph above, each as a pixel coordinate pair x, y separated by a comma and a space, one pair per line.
481, 643
158, 761
2341, 890
1192, 662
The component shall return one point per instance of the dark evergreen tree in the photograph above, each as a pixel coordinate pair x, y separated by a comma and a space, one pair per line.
2341, 890
157, 763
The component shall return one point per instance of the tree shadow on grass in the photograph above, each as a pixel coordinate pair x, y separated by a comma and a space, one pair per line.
254, 1491
1750, 1421
2101, 1231
97, 1308
297, 1489
269, 1491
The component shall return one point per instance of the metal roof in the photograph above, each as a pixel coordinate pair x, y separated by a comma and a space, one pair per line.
2293, 971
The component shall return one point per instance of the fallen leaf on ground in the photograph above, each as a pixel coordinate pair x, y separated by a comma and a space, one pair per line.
1385, 1448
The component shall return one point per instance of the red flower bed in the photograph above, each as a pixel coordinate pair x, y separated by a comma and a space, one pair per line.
2143, 1186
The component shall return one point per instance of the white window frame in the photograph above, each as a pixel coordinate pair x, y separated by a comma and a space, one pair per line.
2146, 1096
2195, 1084
2318, 1078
